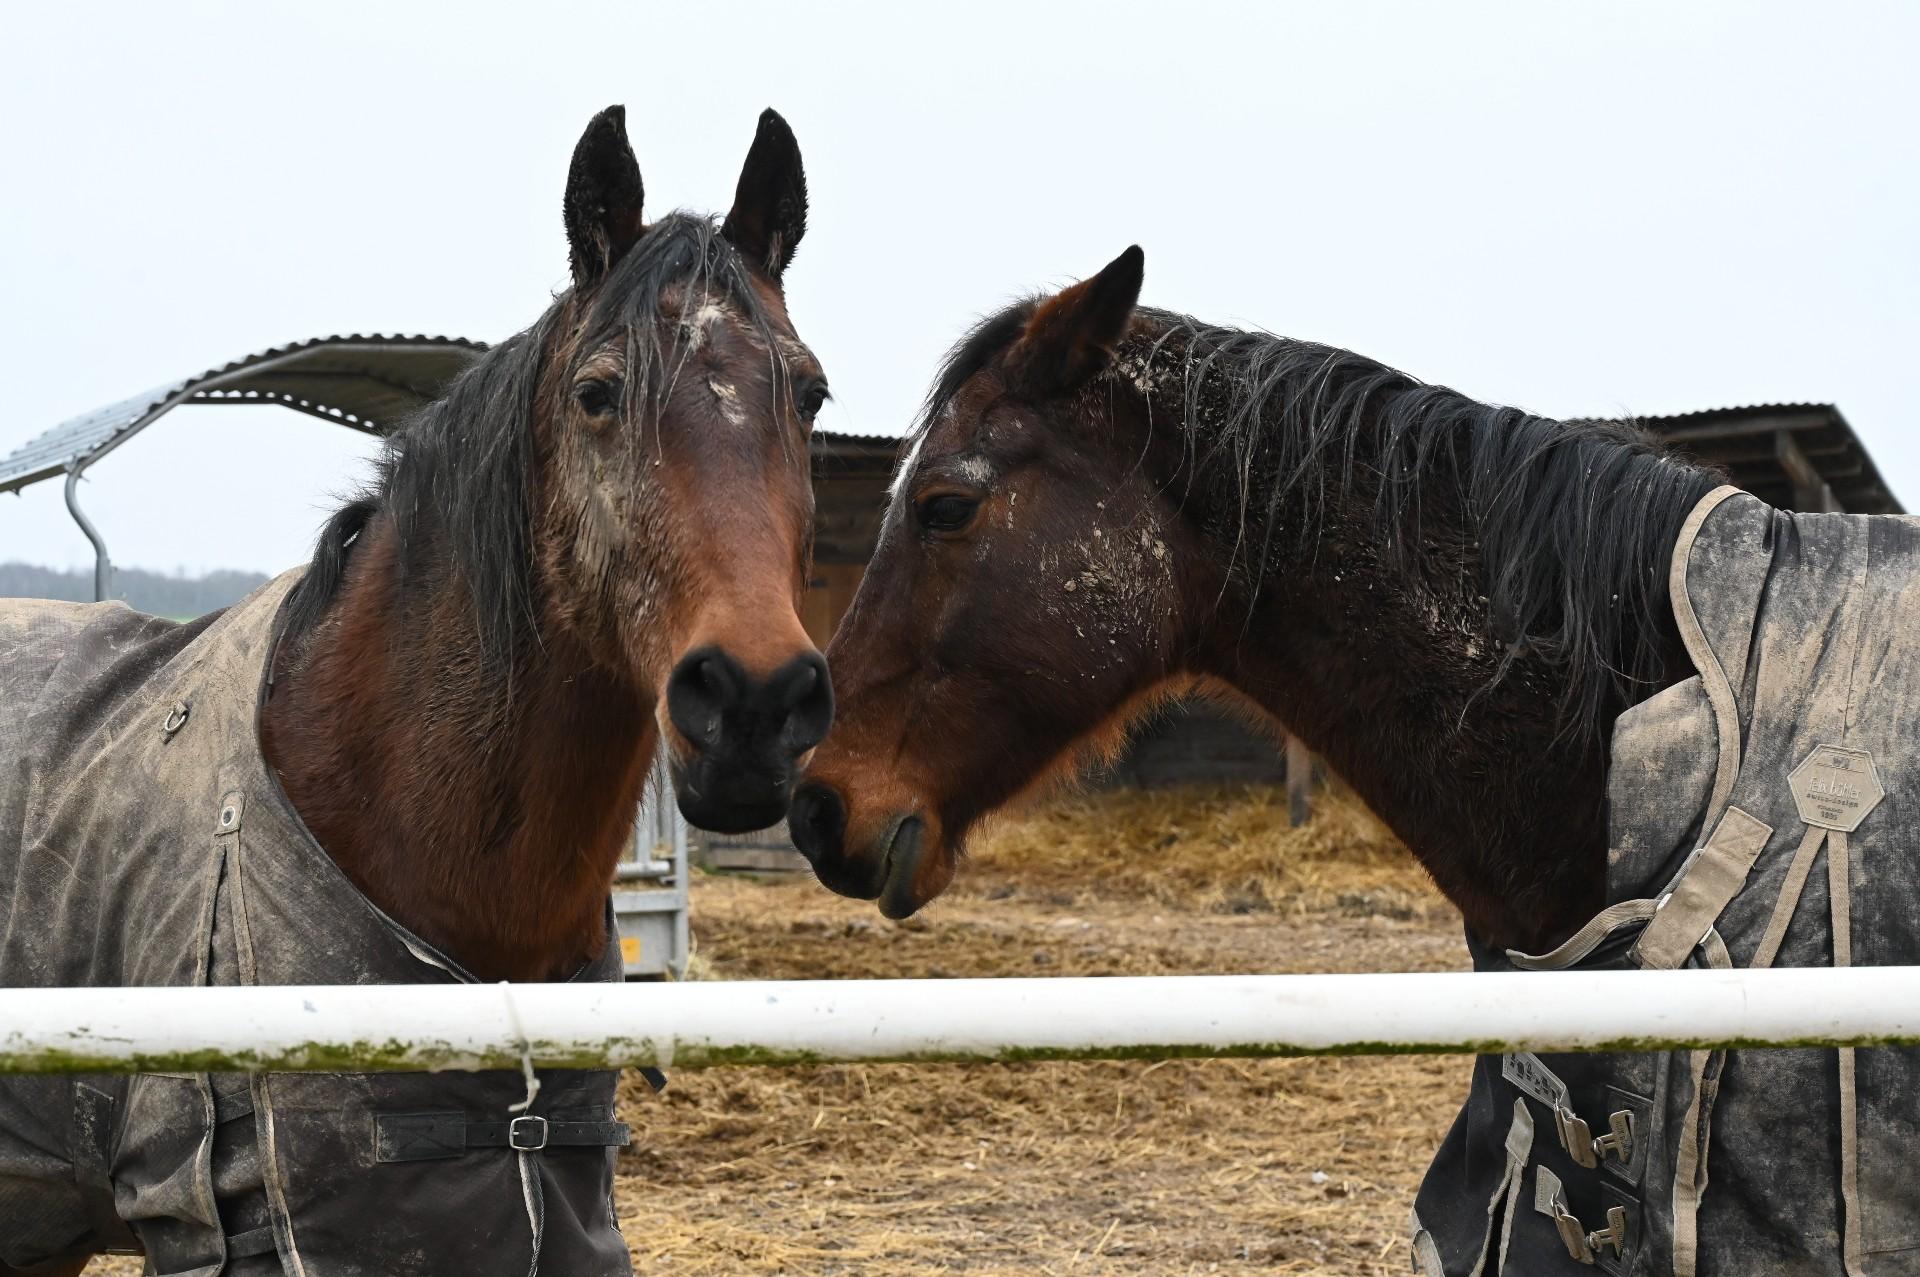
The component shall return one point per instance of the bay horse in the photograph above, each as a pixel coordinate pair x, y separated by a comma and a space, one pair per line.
1105, 506
420, 758
598, 540
1472, 613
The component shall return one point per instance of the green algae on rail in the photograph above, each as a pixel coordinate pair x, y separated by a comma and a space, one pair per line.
394, 1055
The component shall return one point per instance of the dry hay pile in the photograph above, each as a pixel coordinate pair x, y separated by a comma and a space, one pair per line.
1200, 1166
1196, 1166
1210, 848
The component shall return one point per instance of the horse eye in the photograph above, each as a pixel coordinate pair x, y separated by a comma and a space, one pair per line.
947, 513
598, 396
812, 399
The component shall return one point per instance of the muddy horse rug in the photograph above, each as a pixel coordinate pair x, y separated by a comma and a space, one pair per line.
1763, 812
144, 841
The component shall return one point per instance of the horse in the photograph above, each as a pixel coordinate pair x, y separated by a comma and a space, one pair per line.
418, 759
1471, 612
1105, 507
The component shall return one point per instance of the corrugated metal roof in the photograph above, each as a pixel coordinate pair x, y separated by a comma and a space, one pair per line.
834, 438
1734, 419
841, 457
368, 382
1784, 454
372, 382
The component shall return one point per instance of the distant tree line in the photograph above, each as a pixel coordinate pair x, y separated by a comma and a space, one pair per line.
163, 594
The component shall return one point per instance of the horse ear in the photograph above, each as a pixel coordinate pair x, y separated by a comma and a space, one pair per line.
1072, 334
769, 212
603, 198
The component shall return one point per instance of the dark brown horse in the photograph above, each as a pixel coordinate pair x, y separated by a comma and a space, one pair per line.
1106, 506
599, 537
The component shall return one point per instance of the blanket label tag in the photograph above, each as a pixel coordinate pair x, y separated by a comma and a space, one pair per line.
1835, 788
1524, 1070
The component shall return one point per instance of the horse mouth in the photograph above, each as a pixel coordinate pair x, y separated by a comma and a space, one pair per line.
906, 843
739, 803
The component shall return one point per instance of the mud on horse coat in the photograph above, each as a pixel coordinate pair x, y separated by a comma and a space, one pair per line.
418, 760
1760, 813
157, 848
1480, 618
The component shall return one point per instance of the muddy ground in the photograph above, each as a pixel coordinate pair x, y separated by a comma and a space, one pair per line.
1228, 1166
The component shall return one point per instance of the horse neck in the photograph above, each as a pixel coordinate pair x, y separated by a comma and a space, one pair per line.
1384, 666
483, 811
1502, 807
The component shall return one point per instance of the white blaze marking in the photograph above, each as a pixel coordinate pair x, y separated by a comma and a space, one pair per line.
696, 327
729, 400
910, 463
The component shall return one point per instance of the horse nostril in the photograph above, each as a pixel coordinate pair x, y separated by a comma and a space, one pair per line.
808, 680
805, 693
720, 708
704, 686
817, 821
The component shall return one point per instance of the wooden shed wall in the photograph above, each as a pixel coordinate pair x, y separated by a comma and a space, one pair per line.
1198, 742
829, 594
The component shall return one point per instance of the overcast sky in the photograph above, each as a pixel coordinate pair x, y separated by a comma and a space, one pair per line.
1640, 208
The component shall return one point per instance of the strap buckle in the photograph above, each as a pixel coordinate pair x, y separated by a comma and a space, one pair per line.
1549, 1198
527, 1133
1585, 1247
1614, 1234
1576, 1137
1618, 1141
1587, 1150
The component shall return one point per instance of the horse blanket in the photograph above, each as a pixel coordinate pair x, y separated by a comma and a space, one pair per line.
1761, 812
144, 841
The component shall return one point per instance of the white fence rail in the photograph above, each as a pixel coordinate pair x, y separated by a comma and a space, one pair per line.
384, 1028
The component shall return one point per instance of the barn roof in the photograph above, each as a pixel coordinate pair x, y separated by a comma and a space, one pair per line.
1796, 456
365, 382
1793, 456
850, 474
835, 453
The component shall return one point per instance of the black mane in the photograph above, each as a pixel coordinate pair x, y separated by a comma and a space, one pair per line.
457, 478
977, 347
1573, 523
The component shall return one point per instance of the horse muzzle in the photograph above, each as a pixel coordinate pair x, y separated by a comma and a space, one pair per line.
887, 869
741, 738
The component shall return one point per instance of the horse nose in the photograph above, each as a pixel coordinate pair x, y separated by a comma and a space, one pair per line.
817, 821
801, 695
717, 705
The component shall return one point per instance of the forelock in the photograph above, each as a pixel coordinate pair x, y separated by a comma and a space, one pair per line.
976, 350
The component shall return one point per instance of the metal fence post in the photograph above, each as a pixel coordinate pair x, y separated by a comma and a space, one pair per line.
102, 565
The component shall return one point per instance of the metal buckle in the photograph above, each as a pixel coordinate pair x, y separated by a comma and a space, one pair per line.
528, 1133
1578, 1139
1573, 1235
1549, 1198
1583, 1246
1618, 1142
1614, 1234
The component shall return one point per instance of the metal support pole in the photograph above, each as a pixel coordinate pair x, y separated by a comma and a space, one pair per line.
102, 565
1299, 781
683, 893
